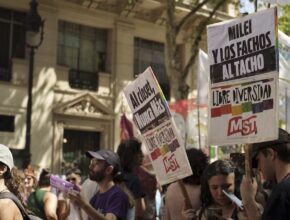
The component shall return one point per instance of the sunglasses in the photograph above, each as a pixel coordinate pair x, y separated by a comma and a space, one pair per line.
71, 179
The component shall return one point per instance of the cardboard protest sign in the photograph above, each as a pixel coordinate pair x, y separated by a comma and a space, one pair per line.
167, 155
153, 118
147, 101
243, 63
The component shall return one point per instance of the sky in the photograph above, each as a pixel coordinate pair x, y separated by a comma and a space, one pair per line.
247, 6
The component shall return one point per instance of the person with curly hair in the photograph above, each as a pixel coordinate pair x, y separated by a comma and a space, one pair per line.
30, 182
9, 182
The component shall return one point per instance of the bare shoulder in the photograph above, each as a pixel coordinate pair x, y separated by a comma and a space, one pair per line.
9, 210
49, 196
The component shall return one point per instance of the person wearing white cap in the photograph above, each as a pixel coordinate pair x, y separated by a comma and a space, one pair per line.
8, 209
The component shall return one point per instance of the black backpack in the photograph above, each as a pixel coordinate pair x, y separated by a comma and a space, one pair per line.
25, 215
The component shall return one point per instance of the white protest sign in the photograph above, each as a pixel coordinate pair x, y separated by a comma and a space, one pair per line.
168, 157
243, 79
146, 101
153, 118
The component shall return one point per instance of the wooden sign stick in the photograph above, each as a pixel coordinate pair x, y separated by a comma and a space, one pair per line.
185, 195
248, 160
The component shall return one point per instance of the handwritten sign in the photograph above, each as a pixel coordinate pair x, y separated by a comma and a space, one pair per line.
243, 79
152, 116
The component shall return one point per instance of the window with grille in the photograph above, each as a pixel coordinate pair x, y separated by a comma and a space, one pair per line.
12, 40
84, 50
151, 53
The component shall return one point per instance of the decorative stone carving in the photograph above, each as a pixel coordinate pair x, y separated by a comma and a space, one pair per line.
84, 105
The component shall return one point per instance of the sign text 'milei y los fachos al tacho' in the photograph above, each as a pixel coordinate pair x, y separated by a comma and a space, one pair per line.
243, 79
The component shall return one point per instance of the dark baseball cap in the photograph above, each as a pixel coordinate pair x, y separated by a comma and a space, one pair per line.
284, 137
109, 156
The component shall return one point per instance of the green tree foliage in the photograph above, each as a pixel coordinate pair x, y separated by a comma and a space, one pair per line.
284, 20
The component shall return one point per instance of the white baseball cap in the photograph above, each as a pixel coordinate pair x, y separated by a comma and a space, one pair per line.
6, 156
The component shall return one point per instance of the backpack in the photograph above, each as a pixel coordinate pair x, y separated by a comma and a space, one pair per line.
25, 215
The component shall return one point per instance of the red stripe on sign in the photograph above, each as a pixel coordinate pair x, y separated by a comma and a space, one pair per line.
215, 112
226, 109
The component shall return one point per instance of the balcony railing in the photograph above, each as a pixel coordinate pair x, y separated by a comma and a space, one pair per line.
79, 79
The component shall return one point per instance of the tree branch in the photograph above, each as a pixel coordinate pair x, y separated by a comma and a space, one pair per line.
186, 18
197, 39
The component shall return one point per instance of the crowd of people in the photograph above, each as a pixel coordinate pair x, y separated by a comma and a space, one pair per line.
120, 187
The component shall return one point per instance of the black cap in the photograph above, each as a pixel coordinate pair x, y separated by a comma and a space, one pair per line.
109, 156
284, 137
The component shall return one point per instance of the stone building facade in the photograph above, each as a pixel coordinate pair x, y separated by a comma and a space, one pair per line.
90, 51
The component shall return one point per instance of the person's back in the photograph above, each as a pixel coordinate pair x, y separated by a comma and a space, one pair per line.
42, 202
174, 200
35, 203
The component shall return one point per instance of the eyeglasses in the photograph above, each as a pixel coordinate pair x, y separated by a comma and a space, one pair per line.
95, 161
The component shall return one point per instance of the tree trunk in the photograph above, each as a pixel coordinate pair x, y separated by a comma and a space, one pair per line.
176, 73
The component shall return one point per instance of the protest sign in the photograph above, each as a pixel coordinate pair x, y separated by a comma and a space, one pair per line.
243, 63
146, 101
153, 118
167, 155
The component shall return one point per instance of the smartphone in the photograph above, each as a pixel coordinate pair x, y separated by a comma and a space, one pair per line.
234, 199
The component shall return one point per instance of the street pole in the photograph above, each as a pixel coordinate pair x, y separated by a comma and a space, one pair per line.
34, 26
27, 153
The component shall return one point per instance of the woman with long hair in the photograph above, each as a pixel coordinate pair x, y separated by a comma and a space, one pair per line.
219, 176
